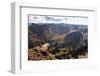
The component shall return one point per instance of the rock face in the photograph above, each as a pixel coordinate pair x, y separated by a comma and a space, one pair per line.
73, 38
37, 53
34, 54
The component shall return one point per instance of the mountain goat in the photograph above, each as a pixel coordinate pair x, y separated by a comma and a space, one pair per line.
45, 47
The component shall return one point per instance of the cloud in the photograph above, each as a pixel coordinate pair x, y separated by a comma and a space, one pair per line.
57, 19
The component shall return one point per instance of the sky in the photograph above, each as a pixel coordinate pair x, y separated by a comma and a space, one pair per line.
57, 19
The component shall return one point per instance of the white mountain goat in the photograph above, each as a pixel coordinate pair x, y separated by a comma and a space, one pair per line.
45, 47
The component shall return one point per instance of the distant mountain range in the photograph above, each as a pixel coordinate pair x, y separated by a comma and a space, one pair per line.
52, 32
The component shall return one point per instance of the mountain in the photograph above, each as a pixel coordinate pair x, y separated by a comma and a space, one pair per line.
57, 33
33, 41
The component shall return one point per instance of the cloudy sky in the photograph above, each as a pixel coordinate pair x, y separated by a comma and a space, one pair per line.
57, 19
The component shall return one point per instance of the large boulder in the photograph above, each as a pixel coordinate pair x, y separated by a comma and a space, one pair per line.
73, 38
